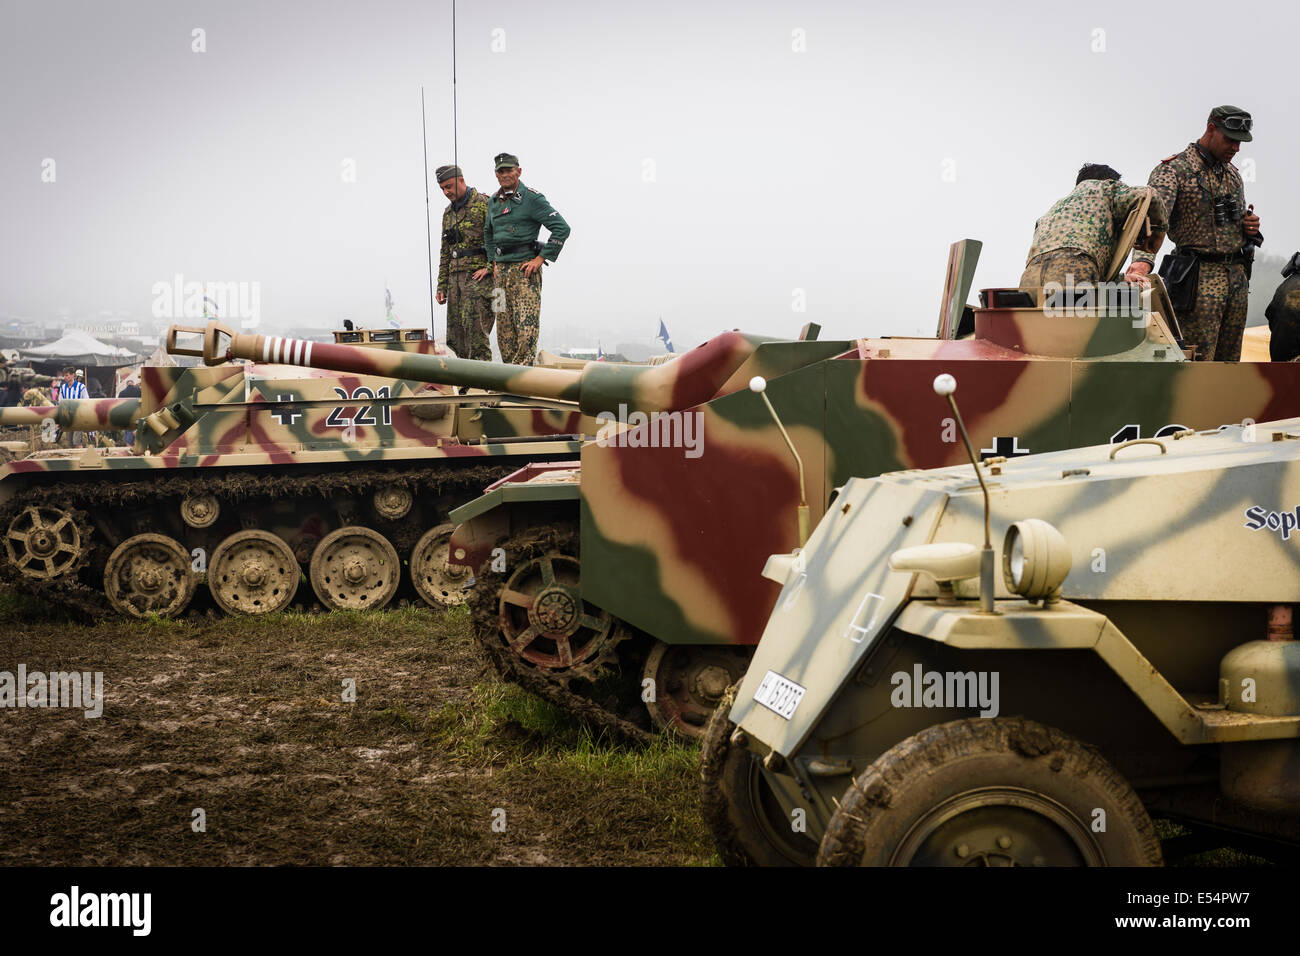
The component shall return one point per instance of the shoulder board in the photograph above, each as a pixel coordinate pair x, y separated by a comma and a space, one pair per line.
1168, 159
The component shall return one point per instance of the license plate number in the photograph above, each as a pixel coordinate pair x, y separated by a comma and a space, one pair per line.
779, 695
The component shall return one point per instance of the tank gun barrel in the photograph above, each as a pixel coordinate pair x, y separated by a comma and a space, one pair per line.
24, 376
77, 414
693, 378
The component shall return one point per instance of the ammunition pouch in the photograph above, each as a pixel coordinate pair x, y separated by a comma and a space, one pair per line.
1181, 271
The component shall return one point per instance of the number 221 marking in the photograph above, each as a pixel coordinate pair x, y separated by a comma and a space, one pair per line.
362, 416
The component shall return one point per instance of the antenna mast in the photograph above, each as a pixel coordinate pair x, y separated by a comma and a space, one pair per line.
428, 228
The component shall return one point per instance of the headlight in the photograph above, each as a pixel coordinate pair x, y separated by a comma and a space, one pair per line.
1035, 559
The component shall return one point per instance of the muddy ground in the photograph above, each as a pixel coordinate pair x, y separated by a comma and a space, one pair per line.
245, 719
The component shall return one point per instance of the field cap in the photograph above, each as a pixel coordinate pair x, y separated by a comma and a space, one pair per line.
1233, 122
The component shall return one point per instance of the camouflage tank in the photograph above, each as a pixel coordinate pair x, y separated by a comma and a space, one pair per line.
672, 515
919, 699
247, 475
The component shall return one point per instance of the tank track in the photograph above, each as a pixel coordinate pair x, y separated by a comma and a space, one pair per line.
571, 692
84, 498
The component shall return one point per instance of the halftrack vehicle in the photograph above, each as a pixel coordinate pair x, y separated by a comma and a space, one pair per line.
249, 475
1133, 658
627, 587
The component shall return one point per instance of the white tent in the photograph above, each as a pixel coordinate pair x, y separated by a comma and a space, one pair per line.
81, 348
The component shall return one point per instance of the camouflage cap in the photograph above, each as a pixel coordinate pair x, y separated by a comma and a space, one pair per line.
445, 173
505, 161
1233, 122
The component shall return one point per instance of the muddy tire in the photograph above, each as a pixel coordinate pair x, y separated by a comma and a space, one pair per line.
747, 823
980, 792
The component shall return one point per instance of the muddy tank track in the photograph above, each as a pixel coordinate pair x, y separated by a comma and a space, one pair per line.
578, 692
83, 498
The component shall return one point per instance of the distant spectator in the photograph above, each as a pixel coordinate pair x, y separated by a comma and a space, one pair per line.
72, 386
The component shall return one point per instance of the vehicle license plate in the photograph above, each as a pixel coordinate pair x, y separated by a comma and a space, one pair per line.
778, 694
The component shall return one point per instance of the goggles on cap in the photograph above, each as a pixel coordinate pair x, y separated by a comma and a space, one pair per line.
1242, 123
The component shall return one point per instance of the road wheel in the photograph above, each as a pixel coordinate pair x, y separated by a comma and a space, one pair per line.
1000, 792
149, 574
689, 681
440, 584
44, 542
253, 572
355, 568
738, 803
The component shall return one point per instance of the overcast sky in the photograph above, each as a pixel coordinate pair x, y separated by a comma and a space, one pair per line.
711, 158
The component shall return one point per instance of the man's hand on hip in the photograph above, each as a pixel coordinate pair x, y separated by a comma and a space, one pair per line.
532, 265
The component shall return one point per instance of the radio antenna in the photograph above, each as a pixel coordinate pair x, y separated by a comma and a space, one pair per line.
428, 228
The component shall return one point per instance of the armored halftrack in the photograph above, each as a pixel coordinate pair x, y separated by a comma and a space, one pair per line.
628, 587
248, 475
1132, 657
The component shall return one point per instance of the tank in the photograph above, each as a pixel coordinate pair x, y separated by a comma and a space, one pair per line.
246, 477
627, 588
1023, 662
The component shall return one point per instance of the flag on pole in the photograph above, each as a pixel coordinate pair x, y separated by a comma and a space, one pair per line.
388, 306
663, 334
600, 353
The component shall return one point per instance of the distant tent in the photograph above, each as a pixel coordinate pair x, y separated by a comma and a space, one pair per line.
81, 348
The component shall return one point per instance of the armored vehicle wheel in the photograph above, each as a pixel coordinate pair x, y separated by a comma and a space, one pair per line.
149, 574
544, 620
990, 792
355, 567
253, 572
393, 502
689, 681
200, 511
43, 543
439, 583
533, 617
739, 807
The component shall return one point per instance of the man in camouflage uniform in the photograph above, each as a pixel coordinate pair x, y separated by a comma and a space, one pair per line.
463, 268
1075, 240
515, 217
1209, 218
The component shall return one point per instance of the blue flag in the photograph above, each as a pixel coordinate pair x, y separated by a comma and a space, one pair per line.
663, 334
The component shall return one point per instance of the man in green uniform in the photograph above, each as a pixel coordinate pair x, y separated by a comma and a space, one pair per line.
1074, 241
515, 217
463, 268
1210, 221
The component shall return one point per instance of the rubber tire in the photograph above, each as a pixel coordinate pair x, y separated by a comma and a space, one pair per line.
948, 759
724, 798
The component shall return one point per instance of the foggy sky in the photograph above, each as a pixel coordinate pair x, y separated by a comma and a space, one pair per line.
707, 168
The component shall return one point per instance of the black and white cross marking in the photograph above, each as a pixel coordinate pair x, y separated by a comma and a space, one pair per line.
1005, 448
281, 414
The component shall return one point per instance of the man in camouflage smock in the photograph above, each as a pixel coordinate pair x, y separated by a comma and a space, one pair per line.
515, 217
1075, 240
463, 268
1209, 218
